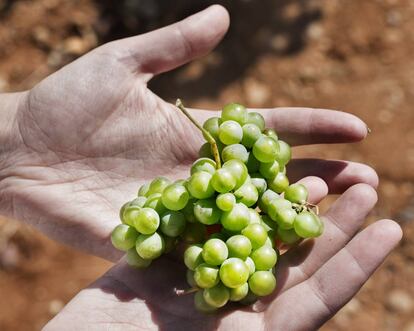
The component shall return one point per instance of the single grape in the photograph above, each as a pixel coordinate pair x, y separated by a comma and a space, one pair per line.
259, 182
264, 258
279, 183
130, 214
143, 190
193, 256
271, 133
254, 217
239, 293
234, 112
234, 272
238, 169
256, 233
188, 211
285, 153
223, 180
147, 221
139, 202
175, 197
136, 261
251, 132
226, 201
201, 304
239, 246
150, 246
194, 233
123, 237
250, 264
285, 218
199, 185
154, 201
217, 296
207, 212
307, 225
275, 205
230, 132
257, 119
266, 198
204, 164
158, 185
172, 223
212, 126
265, 149
206, 276
252, 163
215, 252
269, 170
236, 219
189, 276
288, 236
247, 194
262, 283
235, 152
296, 193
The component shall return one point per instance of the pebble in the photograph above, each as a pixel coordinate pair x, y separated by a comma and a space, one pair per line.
257, 93
55, 306
400, 301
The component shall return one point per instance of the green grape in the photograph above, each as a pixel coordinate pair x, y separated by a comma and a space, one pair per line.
194, 233
259, 182
139, 202
237, 218
252, 164
256, 233
264, 258
275, 205
239, 246
238, 169
216, 296
189, 276
269, 170
193, 256
147, 221
188, 211
223, 180
279, 183
234, 112
130, 214
296, 193
268, 223
266, 198
257, 119
234, 272
212, 126
262, 283
250, 264
239, 293
251, 132
143, 190
175, 197
226, 201
204, 164
215, 252
123, 237
122, 210
307, 225
265, 149
169, 244
199, 185
207, 212
158, 185
288, 236
285, 153
285, 218
205, 151
230, 132
150, 246
201, 304
254, 217
247, 194
154, 201
136, 261
173, 223
235, 152
206, 276
271, 133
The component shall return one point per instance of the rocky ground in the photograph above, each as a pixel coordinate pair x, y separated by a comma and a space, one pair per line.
350, 55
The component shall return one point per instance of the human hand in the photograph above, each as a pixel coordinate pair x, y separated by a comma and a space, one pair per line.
315, 280
85, 138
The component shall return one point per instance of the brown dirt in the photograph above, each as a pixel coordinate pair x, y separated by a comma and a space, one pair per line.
349, 55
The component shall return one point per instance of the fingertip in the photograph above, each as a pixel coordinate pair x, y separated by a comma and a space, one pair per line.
364, 193
389, 229
358, 130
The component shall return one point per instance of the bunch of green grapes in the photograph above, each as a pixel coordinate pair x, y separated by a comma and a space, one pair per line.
233, 212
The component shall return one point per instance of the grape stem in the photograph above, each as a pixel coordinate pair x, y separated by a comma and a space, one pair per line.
185, 292
207, 134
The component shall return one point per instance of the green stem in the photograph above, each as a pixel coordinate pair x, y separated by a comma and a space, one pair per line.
207, 134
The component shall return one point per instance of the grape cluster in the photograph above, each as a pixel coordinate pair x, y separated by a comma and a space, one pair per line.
233, 216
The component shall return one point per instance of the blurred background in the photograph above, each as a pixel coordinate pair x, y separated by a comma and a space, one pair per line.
355, 56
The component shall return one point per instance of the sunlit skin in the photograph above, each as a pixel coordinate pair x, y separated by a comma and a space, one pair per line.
81, 142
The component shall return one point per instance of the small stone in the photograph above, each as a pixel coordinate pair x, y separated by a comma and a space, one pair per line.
279, 43
315, 31
394, 18
42, 35
257, 93
75, 46
55, 306
400, 301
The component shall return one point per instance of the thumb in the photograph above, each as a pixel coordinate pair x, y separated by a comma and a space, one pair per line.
172, 46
